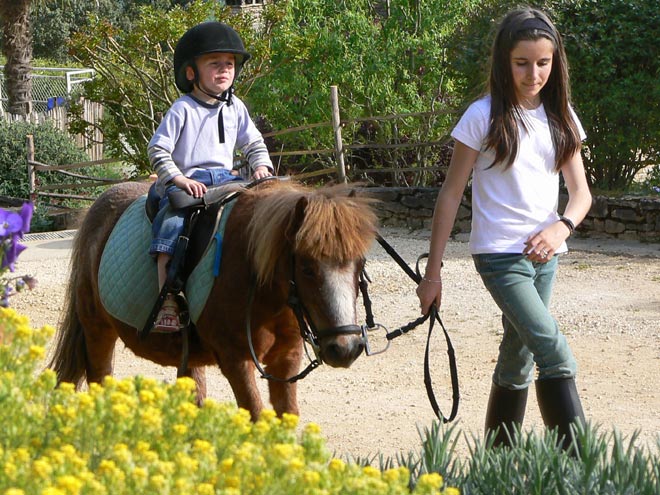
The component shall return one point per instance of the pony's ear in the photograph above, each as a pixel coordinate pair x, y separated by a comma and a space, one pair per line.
296, 219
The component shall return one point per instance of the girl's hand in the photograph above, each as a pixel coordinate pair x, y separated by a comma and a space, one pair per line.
261, 172
541, 247
192, 187
429, 292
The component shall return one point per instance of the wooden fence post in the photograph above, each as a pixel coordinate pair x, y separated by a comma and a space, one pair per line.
336, 125
30, 169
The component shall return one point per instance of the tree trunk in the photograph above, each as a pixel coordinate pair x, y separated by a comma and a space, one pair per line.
17, 48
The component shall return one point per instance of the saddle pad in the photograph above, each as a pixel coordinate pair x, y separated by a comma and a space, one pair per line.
128, 276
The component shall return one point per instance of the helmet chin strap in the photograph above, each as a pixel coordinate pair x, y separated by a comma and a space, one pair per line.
224, 96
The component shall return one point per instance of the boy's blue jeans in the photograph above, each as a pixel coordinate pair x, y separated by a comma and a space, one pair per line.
522, 289
168, 223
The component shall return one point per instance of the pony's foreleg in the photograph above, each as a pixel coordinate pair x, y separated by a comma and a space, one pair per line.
240, 375
283, 361
199, 375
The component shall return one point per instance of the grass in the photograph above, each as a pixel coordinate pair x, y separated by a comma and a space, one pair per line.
606, 464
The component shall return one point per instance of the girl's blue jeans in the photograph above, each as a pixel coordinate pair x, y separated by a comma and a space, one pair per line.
522, 288
168, 223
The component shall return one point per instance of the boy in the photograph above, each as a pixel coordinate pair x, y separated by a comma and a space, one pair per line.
194, 144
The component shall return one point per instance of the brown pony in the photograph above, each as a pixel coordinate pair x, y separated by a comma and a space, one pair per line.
278, 234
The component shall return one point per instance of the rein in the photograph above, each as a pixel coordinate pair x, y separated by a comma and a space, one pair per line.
433, 316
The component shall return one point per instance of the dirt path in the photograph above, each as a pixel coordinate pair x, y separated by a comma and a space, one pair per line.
607, 301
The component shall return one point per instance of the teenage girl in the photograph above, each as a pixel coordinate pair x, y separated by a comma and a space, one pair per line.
514, 142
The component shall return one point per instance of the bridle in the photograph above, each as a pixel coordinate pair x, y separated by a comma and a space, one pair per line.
311, 335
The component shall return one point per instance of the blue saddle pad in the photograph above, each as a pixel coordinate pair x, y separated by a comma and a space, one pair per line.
128, 276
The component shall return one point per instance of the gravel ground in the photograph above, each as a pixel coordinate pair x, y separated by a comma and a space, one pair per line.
607, 300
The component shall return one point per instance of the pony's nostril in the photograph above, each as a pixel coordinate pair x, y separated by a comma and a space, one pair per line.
333, 353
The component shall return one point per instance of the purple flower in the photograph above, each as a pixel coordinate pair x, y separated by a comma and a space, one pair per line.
12, 250
26, 214
10, 223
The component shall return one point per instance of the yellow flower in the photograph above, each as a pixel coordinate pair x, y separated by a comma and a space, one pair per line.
290, 421
232, 482
41, 468
139, 474
51, 490
187, 411
429, 481
205, 489
371, 472
337, 465
67, 388
186, 385
180, 429
283, 450
22, 455
48, 331
37, 352
158, 481
10, 470
14, 491
311, 478
69, 484
450, 490
267, 415
226, 464
121, 410
312, 429
203, 446
126, 386
261, 427
85, 401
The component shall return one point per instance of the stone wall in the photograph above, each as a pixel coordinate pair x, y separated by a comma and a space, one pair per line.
626, 218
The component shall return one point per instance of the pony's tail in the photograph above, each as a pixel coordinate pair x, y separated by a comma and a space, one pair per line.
69, 360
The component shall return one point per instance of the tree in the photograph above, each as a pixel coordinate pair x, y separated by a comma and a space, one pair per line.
17, 48
135, 81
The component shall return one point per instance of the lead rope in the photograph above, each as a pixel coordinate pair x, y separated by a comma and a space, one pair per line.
433, 316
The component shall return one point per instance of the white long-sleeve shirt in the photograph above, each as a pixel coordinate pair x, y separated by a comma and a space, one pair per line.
188, 139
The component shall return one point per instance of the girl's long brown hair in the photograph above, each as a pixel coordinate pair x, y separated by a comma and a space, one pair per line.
505, 113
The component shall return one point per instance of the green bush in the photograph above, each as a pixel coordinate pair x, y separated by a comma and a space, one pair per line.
137, 436
52, 147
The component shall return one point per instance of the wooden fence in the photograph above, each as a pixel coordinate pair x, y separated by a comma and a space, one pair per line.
58, 116
338, 152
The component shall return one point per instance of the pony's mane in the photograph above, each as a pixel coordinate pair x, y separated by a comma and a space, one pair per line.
328, 224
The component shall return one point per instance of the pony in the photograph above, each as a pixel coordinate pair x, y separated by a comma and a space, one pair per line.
279, 235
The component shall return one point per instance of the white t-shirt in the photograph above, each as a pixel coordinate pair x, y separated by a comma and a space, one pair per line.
509, 205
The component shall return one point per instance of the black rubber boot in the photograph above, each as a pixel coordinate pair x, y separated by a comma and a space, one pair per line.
560, 407
506, 408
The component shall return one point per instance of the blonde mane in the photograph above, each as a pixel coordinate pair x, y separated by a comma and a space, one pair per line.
328, 224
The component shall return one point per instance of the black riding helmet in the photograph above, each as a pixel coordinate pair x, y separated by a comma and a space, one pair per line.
207, 37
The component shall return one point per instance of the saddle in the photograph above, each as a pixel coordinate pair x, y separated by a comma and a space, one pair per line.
200, 228
201, 223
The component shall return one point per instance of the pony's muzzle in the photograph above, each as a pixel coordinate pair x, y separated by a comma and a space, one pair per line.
339, 347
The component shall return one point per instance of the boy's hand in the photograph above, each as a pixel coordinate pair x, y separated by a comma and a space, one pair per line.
261, 172
192, 187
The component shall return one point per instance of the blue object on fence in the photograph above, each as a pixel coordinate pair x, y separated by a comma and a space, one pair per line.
55, 101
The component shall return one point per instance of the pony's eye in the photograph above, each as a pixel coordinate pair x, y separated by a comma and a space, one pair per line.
307, 270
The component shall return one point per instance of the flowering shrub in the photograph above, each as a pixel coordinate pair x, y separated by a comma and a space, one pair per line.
12, 228
139, 436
